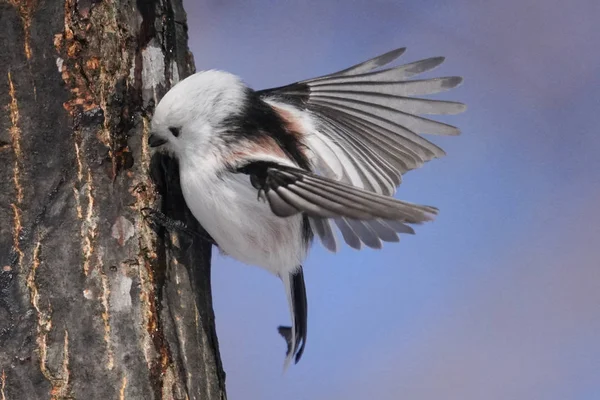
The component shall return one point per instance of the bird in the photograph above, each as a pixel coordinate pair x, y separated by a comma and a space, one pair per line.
266, 171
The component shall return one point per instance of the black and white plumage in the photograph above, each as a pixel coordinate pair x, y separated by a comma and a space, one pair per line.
264, 171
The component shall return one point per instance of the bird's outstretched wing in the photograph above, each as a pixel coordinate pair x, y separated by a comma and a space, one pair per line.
367, 127
361, 215
368, 122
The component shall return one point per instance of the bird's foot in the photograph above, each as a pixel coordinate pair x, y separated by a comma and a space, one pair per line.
158, 219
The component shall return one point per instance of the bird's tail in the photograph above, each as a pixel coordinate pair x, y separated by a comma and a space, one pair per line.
295, 336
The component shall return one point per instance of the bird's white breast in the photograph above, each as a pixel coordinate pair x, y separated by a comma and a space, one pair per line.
243, 226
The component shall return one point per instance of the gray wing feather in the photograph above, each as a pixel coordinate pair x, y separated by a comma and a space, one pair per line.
348, 234
369, 65
383, 231
321, 197
368, 131
400, 227
322, 227
366, 235
389, 74
362, 107
279, 206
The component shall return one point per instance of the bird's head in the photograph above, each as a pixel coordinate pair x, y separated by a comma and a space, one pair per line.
195, 111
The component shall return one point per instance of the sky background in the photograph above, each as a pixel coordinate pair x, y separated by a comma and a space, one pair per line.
499, 298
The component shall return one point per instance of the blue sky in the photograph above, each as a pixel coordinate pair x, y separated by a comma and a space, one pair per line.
499, 298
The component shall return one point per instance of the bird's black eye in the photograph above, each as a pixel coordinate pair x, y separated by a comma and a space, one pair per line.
175, 131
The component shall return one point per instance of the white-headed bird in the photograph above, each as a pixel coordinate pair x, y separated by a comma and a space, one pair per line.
264, 171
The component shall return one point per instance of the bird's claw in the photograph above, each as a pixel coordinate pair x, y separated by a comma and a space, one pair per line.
159, 219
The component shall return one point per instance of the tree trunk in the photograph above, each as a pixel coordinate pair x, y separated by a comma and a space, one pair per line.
94, 303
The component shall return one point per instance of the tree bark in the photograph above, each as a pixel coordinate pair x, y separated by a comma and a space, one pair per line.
94, 303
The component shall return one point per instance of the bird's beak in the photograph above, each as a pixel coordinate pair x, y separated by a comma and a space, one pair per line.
155, 141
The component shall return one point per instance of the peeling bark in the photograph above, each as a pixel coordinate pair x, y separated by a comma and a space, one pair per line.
94, 303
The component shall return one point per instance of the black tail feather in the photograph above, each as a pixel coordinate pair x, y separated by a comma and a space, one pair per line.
300, 316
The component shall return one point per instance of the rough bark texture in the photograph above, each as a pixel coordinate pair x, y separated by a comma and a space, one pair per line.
94, 304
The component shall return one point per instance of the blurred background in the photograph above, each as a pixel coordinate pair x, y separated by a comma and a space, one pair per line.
499, 298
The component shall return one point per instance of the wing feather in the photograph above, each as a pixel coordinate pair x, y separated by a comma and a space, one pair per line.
366, 235
348, 234
383, 231
318, 196
322, 227
378, 109
365, 134
390, 74
369, 65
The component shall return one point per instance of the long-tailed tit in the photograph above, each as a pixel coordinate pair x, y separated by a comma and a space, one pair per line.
264, 171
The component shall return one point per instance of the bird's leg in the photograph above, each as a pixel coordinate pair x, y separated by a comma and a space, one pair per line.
295, 335
258, 177
260, 184
159, 219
